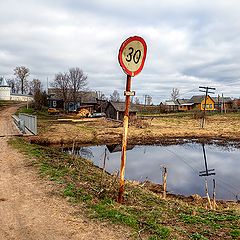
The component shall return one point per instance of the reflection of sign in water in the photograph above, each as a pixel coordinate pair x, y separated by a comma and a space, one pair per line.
132, 55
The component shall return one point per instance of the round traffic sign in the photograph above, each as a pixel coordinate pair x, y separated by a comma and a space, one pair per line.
132, 55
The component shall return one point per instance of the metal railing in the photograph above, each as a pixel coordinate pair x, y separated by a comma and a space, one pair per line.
29, 121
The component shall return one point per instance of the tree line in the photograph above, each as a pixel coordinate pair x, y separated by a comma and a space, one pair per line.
69, 84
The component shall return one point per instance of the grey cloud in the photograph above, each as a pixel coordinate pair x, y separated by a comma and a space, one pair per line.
189, 43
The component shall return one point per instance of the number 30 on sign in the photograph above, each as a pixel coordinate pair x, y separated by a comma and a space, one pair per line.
132, 54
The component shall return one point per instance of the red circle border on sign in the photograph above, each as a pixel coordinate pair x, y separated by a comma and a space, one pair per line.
127, 41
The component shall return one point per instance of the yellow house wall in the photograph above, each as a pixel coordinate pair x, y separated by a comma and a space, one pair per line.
209, 104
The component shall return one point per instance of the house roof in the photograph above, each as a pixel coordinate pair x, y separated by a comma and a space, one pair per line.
226, 99
197, 99
171, 103
120, 106
183, 101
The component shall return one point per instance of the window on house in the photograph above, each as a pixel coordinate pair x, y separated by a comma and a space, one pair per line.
54, 103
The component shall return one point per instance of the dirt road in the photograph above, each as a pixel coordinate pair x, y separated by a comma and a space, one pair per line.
28, 210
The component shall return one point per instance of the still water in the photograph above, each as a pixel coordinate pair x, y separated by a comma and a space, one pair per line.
184, 164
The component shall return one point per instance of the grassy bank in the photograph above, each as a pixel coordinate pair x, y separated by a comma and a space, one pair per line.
149, 216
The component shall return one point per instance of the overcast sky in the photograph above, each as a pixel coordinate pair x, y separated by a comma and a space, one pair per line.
190, 43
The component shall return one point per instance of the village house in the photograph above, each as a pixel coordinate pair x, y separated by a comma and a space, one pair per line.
185, 105
198, 103
236, 104
85, 99
169, 106
115, 110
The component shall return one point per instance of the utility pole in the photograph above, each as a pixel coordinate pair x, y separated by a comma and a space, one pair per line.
47, 85
206, 91
223, 105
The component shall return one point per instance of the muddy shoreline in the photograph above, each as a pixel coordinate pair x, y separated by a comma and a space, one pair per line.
164, 141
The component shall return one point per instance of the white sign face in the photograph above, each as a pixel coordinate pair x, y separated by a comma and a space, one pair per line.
132, 55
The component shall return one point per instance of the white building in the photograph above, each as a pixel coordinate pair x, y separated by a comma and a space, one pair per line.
5, 93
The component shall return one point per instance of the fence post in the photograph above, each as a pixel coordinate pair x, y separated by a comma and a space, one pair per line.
164, 182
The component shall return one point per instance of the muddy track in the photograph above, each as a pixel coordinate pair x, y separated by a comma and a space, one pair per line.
29, 210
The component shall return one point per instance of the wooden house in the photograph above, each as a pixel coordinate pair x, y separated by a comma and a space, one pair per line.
115, 110
169, 106
84, 98
185, 105
198, 102
236, 104
209, 104
223, 103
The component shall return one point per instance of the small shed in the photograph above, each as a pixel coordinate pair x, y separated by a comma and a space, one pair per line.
115, 110
169, 106
55, 103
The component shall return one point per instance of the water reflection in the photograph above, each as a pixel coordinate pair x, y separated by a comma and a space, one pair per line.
184, 162
206, 172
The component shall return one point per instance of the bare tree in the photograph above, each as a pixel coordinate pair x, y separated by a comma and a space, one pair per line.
61, 82
101, 95
40, 96
115, 97
14, 84
22, 73
136, 100
77, 82
175, 94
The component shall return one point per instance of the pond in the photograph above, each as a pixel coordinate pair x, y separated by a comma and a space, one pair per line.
184, 164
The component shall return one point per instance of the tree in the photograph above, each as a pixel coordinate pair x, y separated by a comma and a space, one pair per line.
69, 84
14, 84
77, 82
22, 73
101, 95
61, 82
175, 94
136, 100
115, 97
40, 96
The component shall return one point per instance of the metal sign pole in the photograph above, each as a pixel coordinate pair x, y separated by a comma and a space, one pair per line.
124, 140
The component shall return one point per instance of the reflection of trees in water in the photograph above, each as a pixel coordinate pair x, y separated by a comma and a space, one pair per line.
84, 152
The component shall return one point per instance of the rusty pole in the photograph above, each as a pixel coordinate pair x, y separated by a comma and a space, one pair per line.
124, 140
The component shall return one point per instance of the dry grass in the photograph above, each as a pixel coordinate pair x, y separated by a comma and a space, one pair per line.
143, 131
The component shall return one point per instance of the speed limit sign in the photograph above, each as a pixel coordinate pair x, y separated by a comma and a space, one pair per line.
132, 54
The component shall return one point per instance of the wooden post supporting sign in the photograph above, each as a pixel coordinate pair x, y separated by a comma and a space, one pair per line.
131, 57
